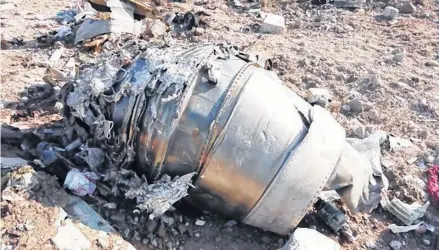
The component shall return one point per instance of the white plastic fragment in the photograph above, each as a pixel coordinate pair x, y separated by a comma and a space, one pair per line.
273, 24
81, 183
403, 229
309, 239
199, 222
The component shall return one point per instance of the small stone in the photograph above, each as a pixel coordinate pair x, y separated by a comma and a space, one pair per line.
200, 222
102, 243
390, 12
69, 237
266, 239
370, 129
423, 134
406, 8
197, 235
181, 228
371, 245
231, 223
280, 242
154, 243
118, 217
360, 105
346, 108
372, 115
420, 2
145, 241
433, 64
273, 24
296, 24
395, 245
429, 159
158, 28
360, 131
318, 96
398, 57
7, 6
151, 225
198, 31
421, 230
387, 163
426, 242
217, 238
161, 231
110, 205
412, 160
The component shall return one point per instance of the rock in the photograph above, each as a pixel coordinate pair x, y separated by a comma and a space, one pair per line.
390, 12
265, 239
429, 159
296, 24
406, 8
370, 129
360, 105
421, 229
318, 96
70, 237
426, 242
198, 31
346, 108
273, 24
151, 225
7, 6
231, 223
199, 222
181, 228
387, 163
398, 57
217, 238
305, 238
423, 133
360, 131
197, 235
371, 245
158, 28
347, 3
432, 63
102, 242
372, 115
420, 2
118, 217
110, 205
395, 245
161, 231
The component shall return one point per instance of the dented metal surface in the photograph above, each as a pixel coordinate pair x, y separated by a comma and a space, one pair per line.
254, 150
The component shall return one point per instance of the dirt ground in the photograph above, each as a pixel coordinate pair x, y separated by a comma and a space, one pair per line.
392, 65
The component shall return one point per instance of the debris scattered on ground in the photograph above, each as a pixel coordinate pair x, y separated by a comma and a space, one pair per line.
158, 197
408, 214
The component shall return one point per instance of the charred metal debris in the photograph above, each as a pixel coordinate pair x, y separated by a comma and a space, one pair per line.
103, 138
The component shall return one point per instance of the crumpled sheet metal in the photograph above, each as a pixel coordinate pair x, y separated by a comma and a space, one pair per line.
408, 214
154, 90
159, 197
358, 177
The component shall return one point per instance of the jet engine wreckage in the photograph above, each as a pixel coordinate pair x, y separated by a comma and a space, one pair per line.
212, 127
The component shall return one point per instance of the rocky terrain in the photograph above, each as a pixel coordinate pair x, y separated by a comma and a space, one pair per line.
380, 73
